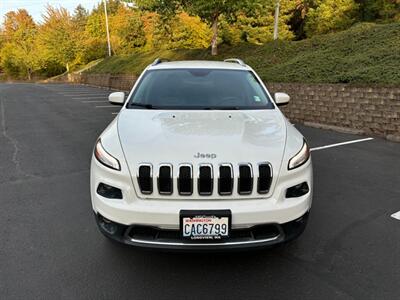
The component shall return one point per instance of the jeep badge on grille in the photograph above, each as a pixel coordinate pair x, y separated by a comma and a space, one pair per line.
205, 155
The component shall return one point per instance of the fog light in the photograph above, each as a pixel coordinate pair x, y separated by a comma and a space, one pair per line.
297, 190
109, 191
108, 225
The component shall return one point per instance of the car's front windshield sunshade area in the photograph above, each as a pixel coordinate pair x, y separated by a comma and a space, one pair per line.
200, 89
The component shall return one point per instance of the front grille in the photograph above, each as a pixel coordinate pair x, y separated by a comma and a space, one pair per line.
248, 179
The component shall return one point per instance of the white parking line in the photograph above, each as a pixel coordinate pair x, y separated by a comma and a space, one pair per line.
396, 215
341, 144
86, 95
82, 93
82, 90
106, 106
115, 113
84, 98
95, 101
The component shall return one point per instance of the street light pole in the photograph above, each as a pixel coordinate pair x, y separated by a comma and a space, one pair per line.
108, 32
276, 21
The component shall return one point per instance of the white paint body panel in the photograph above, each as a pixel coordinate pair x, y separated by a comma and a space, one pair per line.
162, 136
175, 137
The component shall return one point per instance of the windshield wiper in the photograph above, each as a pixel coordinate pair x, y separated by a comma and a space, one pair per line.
147, 106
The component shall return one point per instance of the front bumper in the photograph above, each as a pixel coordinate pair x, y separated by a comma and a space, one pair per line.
164, 213
258, 236
285, 216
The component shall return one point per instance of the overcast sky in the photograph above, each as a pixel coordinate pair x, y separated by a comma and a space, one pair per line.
37, 7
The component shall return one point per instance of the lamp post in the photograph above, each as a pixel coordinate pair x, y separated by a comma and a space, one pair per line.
276, 20
108, 32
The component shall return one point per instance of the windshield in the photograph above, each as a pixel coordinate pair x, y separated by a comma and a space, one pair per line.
199, 89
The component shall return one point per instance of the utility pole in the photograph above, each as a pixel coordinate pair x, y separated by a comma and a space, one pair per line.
276, 21
108, 31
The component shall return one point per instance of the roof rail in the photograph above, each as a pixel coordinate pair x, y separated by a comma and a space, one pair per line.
158, 61
235, 60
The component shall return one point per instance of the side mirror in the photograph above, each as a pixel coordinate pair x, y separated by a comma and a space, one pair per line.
281, 99
117, 98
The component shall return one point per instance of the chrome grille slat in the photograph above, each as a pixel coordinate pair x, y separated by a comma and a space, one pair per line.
145, 178
264, 178
185, 179
165, 179
245, 179
205, 181
225, 180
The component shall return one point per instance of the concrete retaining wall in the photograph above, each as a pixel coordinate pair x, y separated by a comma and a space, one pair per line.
118, 82
364, 110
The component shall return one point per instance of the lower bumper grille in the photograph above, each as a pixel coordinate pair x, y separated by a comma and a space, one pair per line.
253, 234
153, 237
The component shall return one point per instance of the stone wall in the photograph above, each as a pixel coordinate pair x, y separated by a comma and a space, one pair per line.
348, 108
117, 82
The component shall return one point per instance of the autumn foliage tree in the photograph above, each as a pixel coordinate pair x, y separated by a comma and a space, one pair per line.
63, 41
57, 36
208, 11
18, 49
331, 16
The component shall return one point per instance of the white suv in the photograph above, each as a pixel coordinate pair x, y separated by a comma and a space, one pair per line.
200, 157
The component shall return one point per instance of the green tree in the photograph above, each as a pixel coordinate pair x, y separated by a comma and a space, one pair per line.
331, 16
189, 32
184, 32
299, 15
58, 37
18, 54
208, 11
126, 29
79, 21
371, 10
80, 17
257, 27
163, 20
211, 11
95, 30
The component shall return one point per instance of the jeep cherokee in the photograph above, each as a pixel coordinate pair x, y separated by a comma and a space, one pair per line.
201, 157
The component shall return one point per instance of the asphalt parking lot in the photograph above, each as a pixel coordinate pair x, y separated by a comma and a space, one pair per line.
50, 246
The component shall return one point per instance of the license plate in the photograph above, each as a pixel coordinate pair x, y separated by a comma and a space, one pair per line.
205, 225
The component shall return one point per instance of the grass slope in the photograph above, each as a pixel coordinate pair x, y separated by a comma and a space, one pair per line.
366, 53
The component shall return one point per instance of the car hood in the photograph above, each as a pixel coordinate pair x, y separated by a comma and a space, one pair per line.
175, 137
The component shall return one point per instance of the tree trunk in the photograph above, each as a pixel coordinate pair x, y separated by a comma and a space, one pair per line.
67, 66
29, 73
214, 41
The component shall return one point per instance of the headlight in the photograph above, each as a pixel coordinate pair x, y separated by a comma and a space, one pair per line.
300, 158
106, 158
